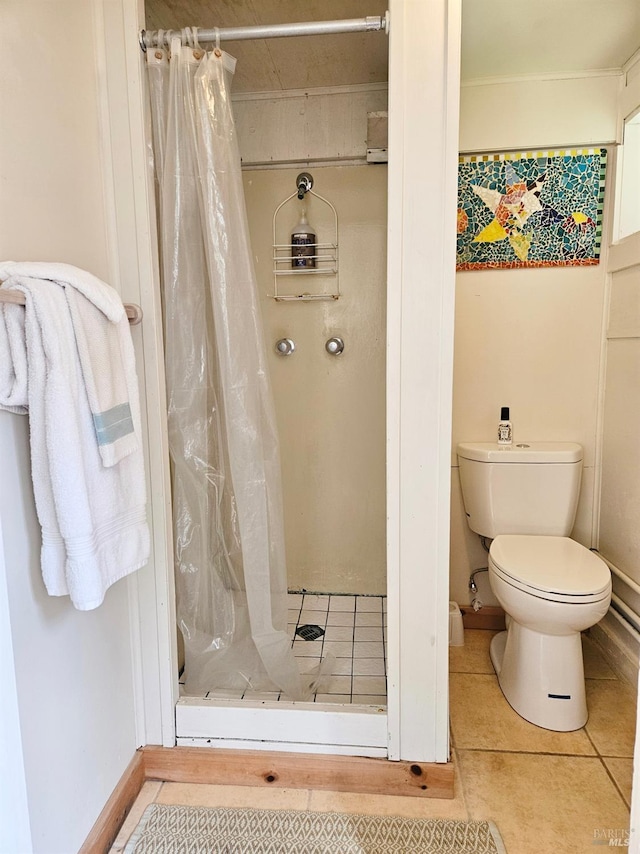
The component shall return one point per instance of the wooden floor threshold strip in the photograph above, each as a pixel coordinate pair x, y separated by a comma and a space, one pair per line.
298, 771
268, 770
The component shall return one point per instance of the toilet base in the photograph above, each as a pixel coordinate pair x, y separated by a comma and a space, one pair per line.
542, 676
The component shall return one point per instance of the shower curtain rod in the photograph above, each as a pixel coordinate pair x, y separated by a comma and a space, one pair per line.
373, 23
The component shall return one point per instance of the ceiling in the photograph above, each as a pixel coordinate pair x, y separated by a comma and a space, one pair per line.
544, 36
498, 39
266, 65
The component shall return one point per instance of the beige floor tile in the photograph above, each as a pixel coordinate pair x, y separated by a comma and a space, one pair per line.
338, 633
368, 649
312, 618
201, 795
308, 651
369, 685
342, 603
368, 667
369, 603
622, 772
612, 716
338, 685
341, 667
315, 602
368, 633
369, 618
473, 657
341, 618
146, 796
341, 649
482, 719
595, 664
542, 804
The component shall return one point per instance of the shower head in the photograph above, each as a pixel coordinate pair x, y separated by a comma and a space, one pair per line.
304, 182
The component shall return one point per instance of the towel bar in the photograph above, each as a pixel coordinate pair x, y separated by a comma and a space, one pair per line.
134, 312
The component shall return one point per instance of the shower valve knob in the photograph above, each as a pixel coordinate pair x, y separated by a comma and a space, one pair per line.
285, 347
334, 346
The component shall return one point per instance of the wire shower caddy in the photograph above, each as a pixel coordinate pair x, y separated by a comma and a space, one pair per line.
325, 254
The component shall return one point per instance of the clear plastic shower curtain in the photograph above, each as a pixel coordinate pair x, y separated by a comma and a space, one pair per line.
230, 563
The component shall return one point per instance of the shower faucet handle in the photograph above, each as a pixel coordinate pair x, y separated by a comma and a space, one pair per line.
334, 346
285, 347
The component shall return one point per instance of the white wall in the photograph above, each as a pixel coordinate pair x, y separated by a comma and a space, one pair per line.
540, 111
330, 409
529, 339
74, 686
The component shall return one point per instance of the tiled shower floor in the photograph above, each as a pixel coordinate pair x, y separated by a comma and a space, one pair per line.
354, 633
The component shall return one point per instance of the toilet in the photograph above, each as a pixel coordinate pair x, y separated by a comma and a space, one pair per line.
524, 498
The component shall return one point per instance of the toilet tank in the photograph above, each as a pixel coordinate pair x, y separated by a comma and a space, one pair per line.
528, 488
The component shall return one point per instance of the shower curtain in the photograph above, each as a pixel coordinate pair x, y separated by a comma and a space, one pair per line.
231, 580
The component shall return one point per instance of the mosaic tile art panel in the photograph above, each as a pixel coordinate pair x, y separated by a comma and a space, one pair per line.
530, 209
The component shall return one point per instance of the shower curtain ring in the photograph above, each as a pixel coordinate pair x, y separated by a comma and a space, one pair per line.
198, 52
216, 34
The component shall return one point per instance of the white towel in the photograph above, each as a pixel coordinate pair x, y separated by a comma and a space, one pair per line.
76, 345
105, 350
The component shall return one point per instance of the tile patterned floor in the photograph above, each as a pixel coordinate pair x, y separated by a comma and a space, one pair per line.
354, 634
547, 792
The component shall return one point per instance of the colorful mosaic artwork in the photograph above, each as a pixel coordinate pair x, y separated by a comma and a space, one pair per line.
530, 209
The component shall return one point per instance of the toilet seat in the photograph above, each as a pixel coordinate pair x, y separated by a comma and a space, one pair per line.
554, 568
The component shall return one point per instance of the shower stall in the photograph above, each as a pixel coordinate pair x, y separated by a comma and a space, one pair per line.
250, 630
304, 453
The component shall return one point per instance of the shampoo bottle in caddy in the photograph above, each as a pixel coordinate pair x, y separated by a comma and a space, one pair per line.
303, 244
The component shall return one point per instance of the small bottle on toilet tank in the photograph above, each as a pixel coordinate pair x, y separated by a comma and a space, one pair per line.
505, 431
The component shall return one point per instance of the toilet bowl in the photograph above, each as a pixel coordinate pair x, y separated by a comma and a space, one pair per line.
524, 498
552, 588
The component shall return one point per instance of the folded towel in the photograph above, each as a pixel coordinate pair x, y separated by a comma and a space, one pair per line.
105, 350
73, 340
103, 296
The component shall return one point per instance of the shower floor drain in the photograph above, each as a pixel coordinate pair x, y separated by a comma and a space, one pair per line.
309, 633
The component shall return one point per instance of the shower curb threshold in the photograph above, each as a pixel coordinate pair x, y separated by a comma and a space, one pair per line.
283, 725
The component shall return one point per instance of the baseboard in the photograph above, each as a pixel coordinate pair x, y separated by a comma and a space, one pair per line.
488, 617
618, 646
357, 774
117, 808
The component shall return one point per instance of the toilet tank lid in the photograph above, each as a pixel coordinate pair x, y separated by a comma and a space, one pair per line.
521, 452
